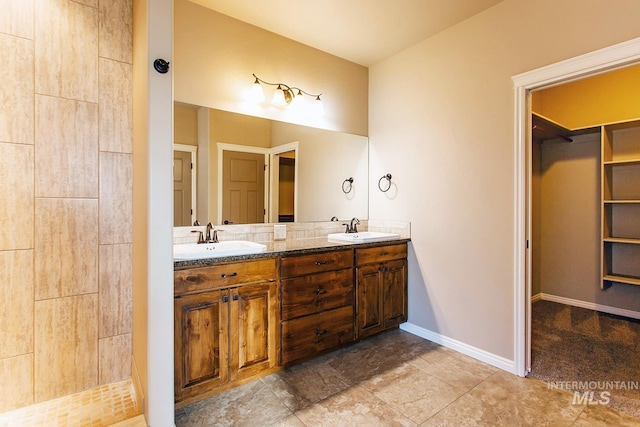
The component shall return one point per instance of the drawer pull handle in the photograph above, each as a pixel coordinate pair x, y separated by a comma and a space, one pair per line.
320, 291
224, 276
322, 262
321, 332
384, 253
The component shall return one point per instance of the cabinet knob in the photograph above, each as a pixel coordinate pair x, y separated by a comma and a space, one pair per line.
225, 298
235, 297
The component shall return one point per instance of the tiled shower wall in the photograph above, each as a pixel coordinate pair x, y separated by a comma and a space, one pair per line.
65, 197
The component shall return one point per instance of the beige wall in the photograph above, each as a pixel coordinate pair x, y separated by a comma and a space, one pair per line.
65, 186
451, 153
570, 225
215, 56
325, 159
605, 98
185, 121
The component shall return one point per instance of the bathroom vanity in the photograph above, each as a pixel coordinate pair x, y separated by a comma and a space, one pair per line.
242, 317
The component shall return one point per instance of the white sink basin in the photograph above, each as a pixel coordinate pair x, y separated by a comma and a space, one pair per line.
190, 251
362, 237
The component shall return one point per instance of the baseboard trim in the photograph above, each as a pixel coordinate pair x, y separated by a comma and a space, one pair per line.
479, 354
588, 305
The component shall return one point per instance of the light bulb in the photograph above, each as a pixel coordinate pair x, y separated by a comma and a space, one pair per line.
298, 101
318, 108
278, 97
257, 93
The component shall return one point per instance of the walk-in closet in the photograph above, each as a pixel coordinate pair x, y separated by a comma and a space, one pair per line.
585, 236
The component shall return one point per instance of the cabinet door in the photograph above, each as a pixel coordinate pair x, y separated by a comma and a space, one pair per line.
253, 329
369, 300
201, 343
394, 282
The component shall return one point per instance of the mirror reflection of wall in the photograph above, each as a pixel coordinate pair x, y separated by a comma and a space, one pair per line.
302, 187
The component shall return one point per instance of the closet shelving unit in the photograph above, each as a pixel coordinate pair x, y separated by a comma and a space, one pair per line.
620, 203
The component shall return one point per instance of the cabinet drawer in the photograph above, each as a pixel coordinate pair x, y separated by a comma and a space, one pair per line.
315, 263
317, 292
310, 335
224, 275
381, 253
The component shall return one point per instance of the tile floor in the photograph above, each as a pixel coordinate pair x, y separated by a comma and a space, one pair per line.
392, 379
105, 405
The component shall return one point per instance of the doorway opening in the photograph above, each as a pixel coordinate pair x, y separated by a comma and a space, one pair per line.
591, 64
560, 311
283, 199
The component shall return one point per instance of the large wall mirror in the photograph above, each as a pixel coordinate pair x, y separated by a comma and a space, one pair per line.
235, 168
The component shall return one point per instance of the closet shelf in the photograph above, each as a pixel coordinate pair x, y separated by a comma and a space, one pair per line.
622, 279
620, 178
621, 201
621, 240
622, 162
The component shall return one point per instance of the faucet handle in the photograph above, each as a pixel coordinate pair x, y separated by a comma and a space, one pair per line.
348, 229
200, 236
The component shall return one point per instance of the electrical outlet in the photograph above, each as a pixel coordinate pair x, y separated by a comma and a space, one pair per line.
279, 232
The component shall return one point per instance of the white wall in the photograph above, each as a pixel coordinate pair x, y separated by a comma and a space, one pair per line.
441, 121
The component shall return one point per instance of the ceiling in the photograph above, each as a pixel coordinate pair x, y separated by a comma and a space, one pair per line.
361, 31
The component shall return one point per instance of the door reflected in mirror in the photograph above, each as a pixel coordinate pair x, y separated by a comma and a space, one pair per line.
302, 176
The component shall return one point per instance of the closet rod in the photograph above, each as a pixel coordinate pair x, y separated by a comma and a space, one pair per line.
548, 132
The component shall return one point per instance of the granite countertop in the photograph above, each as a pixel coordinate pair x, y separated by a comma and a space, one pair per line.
286, 247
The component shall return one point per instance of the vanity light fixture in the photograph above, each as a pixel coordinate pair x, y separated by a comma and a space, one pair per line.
284, 94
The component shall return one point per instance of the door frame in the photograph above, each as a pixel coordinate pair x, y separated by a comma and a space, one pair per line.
274, 175
193, 149
222, 147
597, 62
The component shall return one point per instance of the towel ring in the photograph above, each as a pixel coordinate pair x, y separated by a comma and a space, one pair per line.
388, 178
348, 183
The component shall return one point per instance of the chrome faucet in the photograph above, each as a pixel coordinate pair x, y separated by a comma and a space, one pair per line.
353, 226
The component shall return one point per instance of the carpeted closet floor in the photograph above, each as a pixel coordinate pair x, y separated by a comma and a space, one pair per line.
587, 351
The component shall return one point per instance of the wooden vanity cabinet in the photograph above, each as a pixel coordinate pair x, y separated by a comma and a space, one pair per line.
317, 303
226, 325
381, 288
